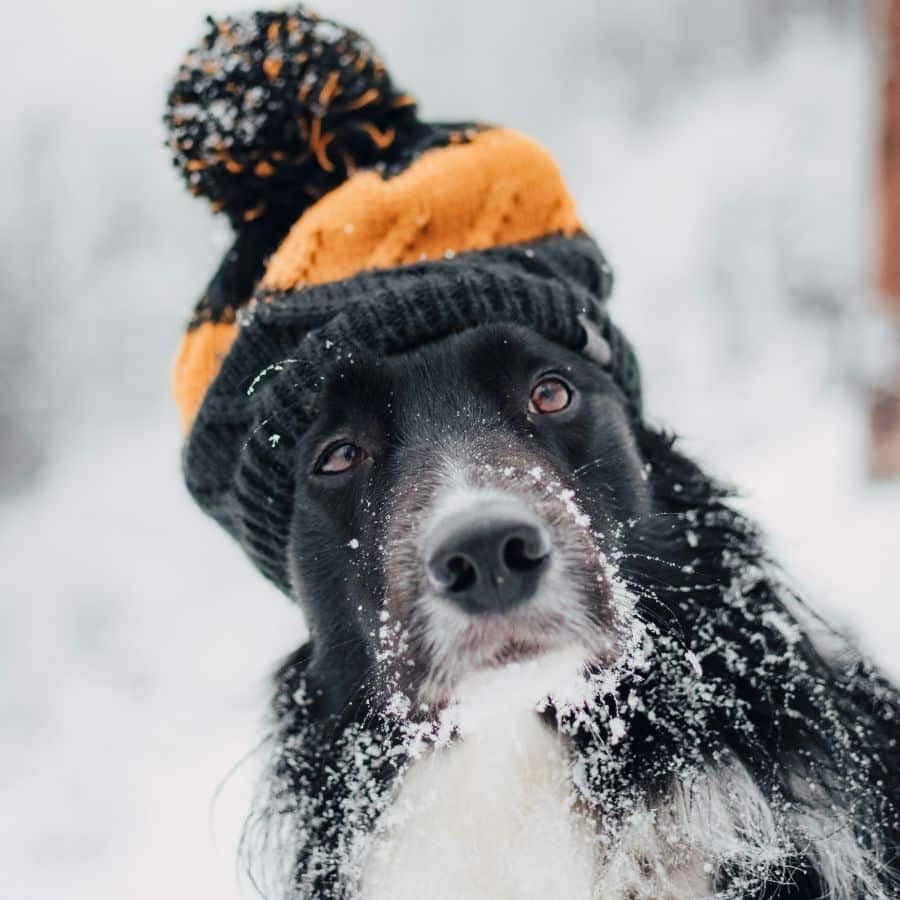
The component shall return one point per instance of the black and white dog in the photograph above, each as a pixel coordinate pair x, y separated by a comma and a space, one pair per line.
548, 659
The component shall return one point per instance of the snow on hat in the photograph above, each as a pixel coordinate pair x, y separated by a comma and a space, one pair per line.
357, 226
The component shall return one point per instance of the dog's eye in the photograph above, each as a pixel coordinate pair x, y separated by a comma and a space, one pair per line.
550, 395
340, 458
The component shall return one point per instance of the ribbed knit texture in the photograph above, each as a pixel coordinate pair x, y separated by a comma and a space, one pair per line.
239, 460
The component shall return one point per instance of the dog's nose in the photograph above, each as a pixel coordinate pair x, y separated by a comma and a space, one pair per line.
490, 557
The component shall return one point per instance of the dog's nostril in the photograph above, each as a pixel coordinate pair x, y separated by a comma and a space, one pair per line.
463, 574
516, 557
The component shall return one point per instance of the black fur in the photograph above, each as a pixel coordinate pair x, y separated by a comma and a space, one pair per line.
767, 699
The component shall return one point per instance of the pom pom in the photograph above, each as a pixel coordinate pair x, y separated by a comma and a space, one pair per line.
275, 109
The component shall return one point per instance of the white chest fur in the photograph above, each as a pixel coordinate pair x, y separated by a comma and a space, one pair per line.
491, 815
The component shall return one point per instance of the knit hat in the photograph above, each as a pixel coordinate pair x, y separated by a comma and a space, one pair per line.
357, 227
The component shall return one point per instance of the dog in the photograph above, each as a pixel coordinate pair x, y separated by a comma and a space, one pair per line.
550, 659
547, 657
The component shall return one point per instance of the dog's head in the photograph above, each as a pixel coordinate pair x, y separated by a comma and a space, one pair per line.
460, 507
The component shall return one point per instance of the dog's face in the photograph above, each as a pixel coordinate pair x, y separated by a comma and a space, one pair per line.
460, 507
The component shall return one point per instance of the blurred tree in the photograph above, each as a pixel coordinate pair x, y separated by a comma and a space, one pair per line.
885, 406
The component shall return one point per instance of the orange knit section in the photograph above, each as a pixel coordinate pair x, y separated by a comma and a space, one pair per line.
499, 188
198, 362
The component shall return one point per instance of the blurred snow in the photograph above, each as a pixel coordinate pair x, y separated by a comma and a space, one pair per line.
721, 153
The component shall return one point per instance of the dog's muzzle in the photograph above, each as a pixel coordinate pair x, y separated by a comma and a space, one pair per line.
489, 557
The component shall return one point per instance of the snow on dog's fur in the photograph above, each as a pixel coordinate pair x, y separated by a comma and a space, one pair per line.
653, 723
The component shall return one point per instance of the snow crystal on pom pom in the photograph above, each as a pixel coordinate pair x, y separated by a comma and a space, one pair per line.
616, 730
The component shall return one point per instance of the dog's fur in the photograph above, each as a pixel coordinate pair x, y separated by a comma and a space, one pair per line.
702, 742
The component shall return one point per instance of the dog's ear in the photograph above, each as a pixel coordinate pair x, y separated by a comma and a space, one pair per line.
596, 347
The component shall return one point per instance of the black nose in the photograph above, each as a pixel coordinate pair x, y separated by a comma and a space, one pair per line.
488, 558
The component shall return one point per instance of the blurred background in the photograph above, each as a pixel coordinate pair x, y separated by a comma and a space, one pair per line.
728, 157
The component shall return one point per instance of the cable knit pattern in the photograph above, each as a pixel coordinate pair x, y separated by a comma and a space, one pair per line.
497, 187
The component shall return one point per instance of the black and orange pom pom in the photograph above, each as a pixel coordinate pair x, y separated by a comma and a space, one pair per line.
274, 109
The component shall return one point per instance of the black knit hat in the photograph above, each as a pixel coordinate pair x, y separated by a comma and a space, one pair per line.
358, 227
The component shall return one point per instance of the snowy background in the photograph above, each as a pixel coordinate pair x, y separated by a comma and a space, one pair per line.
723, 154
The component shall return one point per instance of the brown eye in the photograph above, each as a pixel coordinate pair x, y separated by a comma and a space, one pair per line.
550, 395
341, 458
